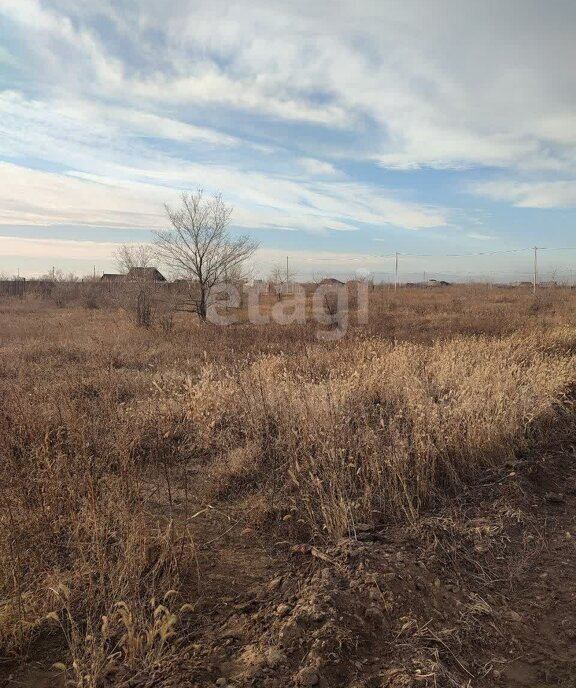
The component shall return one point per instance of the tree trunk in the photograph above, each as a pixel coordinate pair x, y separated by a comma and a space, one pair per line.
202, 308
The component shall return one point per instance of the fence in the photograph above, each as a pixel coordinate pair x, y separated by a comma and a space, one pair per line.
47, 288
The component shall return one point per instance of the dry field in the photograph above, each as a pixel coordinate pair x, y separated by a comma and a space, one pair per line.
190, 504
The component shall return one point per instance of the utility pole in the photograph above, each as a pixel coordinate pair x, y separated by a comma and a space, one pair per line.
396, 272
287, 275
535, 269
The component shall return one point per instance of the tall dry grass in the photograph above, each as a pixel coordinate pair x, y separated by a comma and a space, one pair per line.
368, 430
97, 415
79, 552
82, 558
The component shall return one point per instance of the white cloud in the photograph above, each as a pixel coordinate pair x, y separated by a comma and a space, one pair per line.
88, 134
140, 123
468, 90
479, 236
552, 194
406, 85
319, 168
54, 249
35, 197
214, 87
103, 146
30, 197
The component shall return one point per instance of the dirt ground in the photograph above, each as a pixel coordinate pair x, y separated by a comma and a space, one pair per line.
480, 593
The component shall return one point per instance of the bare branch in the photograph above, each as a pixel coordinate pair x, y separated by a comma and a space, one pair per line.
199, 249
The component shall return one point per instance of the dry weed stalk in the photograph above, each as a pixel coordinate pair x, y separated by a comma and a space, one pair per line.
368, 431
97, 415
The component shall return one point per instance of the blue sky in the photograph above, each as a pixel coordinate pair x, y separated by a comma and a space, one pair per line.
341, 132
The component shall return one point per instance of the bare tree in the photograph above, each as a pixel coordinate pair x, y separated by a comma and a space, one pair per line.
130, 256
57, 275
138, 295
199, 248
281, 279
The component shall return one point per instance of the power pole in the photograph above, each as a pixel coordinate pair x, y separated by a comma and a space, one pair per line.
535, 269
396, 272
287, 275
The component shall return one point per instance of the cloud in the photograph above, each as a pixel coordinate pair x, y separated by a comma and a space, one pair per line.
88, 134
551, 194
479, 236
319, 168
433, 146
32, 197
20, 247
214, 87
35, 197
467, 91
291, 109
127, 177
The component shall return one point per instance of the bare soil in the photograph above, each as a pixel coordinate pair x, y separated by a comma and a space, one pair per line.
479, 593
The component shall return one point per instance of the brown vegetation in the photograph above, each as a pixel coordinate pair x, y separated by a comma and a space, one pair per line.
131, 456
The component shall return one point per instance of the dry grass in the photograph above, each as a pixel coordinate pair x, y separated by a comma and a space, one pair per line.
77, 538
98, 414
370, 431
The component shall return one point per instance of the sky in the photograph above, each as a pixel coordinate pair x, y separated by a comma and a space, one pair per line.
341, 132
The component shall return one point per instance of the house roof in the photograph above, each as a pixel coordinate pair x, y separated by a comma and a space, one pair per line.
112, 277
331, 280
151, 274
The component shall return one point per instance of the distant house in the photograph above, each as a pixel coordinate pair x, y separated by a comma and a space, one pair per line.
332, 281
135, 275
112, 277
144, 274
440, 283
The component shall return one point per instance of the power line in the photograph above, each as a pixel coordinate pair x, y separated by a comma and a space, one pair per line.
434, 255
395, 267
